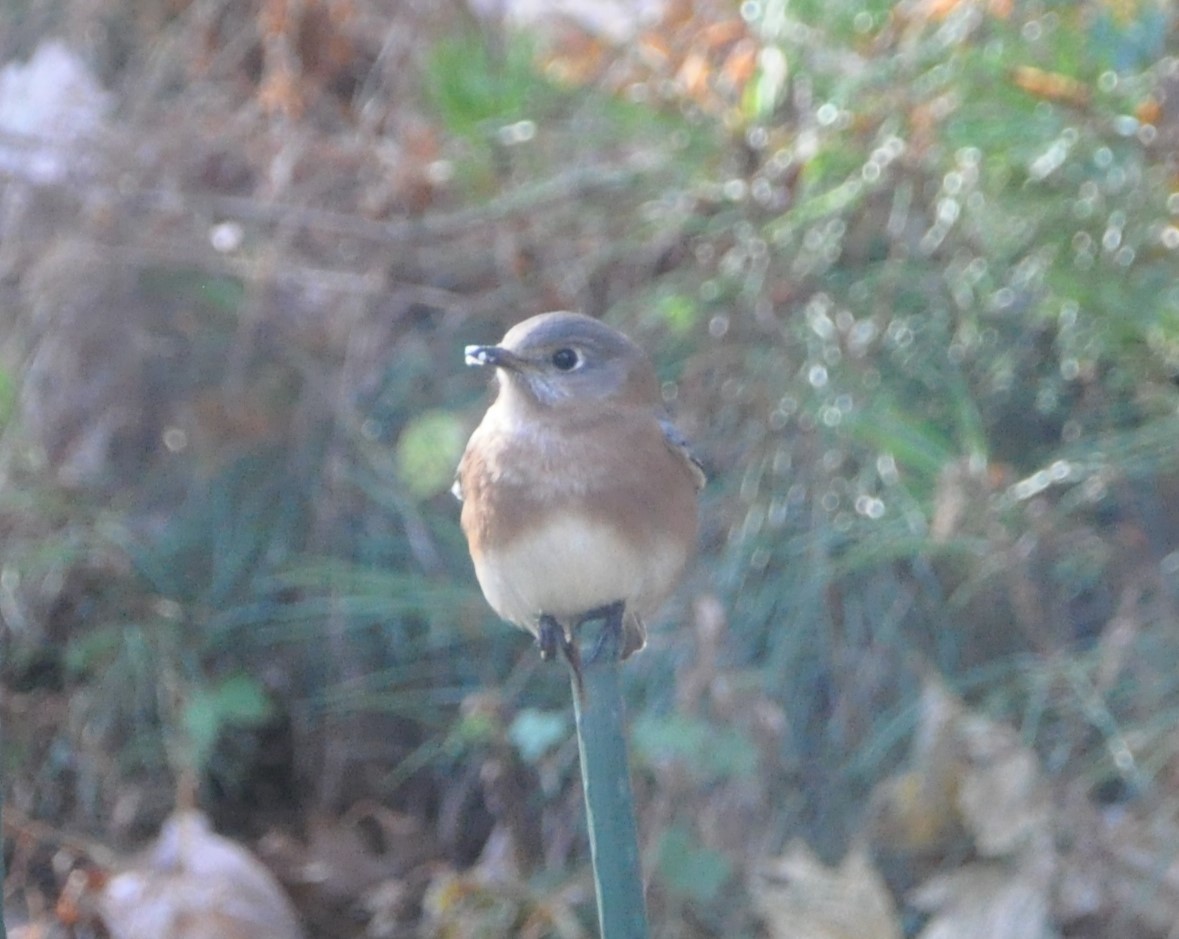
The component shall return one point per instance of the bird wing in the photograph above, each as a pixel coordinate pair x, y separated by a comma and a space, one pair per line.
456, 488
679, 445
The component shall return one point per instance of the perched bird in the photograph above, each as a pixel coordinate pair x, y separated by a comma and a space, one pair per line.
579, 496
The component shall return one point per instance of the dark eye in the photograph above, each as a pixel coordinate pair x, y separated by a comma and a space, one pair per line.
565, 359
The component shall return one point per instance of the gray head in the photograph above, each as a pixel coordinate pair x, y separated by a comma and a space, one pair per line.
566, 359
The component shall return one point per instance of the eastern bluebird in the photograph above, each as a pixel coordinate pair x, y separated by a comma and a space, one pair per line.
579, 495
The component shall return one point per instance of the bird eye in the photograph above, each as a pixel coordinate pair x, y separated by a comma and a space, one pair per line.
566, 359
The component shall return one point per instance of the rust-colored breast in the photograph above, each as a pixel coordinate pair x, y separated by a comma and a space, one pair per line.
618, 468
614, 470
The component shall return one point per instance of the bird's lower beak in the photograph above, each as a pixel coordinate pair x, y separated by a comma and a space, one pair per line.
495, 356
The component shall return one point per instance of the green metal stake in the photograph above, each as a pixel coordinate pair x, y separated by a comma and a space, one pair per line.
605, 777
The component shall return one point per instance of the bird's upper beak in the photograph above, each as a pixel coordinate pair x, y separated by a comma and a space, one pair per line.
496, 356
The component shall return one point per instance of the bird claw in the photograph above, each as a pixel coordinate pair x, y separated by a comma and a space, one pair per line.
551, 637
611, 634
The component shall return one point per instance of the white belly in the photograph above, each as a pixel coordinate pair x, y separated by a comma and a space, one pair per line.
573, 565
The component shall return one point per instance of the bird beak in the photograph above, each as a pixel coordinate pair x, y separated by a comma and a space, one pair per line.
496, 356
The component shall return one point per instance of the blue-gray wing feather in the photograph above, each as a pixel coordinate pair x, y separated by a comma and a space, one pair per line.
679, 444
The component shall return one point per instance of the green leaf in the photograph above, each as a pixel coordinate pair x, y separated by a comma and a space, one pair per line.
534, 732
696, 743
679, 312
242, 700
763, 95
915, 443
474, 85
428, 451
237, 701
219, 294
690, 870
88, 650
476, 728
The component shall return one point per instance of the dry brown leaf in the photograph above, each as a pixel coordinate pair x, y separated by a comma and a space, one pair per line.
722, 33
799, 897
1004, 798
938, 10
974, 788
1149, 110
653, 51
950, 499
370, 845
969, 776
986, 900
37, 930
469, 906
692, 55
914, 817
194, 884
694, 75
1120, 867
279, 92
740, 65
1051, 86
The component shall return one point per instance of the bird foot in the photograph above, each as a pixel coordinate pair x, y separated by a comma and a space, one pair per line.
552, 638
611, 616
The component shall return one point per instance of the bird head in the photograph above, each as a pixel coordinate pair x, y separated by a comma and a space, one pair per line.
560, 360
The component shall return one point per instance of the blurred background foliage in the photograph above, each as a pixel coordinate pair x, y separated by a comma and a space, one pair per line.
907, 271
